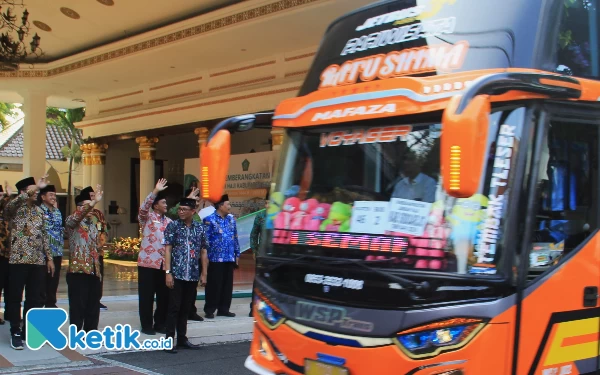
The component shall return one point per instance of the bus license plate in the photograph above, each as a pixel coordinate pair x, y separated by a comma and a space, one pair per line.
320, 368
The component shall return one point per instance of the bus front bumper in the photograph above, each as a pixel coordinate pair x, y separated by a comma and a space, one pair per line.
251, 365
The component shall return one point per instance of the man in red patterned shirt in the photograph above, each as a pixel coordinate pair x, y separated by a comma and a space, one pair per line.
151, 261
100, 221
83, 274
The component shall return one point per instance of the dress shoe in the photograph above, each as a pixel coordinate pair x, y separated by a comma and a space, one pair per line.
209, 316
227, 314
187, 345
196, 318
150, 332
250, 314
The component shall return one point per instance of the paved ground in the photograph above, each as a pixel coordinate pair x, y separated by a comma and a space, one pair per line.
220, 359
216, 359
124, 311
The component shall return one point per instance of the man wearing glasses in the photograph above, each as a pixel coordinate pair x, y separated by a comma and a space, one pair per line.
185, 242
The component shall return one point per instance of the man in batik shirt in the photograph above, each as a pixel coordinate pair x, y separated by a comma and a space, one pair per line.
185, 241
151, 261
30, 256
101, 223
194, 193
4, 244
257, 227
223, 257
83, 274
56, 241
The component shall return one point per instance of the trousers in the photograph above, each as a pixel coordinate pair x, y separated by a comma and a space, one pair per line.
179, 306
152, 282
84, 301
49, 293
219, 287
30, 278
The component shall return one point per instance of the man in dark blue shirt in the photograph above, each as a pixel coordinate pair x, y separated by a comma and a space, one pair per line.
184, 242
223, 256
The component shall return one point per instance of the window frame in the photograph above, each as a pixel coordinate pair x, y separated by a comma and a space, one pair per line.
581, 113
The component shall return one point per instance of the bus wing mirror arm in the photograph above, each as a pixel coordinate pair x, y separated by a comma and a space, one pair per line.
216, 151
554, 86
242, 123
465, 124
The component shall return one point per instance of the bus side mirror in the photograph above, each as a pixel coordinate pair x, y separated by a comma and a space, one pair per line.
214, 164
463, 145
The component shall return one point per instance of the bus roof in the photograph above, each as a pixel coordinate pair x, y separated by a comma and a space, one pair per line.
395, 57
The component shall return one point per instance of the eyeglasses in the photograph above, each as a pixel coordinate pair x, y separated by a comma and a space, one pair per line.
184, 209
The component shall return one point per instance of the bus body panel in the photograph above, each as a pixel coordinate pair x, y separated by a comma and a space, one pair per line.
557, 331
474, 358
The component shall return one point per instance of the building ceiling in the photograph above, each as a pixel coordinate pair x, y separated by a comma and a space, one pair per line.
68, 27
235, 35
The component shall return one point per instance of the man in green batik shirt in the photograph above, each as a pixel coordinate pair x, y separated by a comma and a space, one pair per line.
259, 223
198, 216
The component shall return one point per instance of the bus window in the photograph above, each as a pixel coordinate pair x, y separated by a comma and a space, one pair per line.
567, 191
578, 39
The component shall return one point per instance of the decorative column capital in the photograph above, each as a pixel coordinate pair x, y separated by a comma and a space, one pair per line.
277, 137
147, 149
202, 134
97, 153
87, 153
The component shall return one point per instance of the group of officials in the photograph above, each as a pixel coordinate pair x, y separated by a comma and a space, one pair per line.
31, 250
177, 255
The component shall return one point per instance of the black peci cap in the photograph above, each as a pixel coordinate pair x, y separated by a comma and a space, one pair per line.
24, 183
188, 202
48, 189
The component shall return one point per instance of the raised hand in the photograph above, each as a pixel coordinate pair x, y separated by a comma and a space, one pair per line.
8, 188
43, 182
161, 185
99, 193
194, 194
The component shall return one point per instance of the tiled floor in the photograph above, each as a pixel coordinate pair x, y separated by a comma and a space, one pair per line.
121, 277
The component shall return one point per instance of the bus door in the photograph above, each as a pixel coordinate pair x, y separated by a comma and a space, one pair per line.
558, 324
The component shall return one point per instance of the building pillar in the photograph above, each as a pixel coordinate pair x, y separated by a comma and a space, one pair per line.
276, 139
202, 134
147, 178
98, 156
87, 164
276, 142
34, 135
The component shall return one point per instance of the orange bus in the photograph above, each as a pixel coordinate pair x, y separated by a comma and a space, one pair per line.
435, 207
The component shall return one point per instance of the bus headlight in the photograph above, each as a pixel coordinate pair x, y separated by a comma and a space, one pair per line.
269, 313
432, 339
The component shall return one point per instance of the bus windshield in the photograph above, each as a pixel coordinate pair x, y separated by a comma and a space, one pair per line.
374, 194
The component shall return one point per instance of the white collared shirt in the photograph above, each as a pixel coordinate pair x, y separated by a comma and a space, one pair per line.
422, 188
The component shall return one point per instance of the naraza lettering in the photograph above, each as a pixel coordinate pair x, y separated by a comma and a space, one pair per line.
375, 109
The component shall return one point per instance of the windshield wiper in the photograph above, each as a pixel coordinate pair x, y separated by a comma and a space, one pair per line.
405, 283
